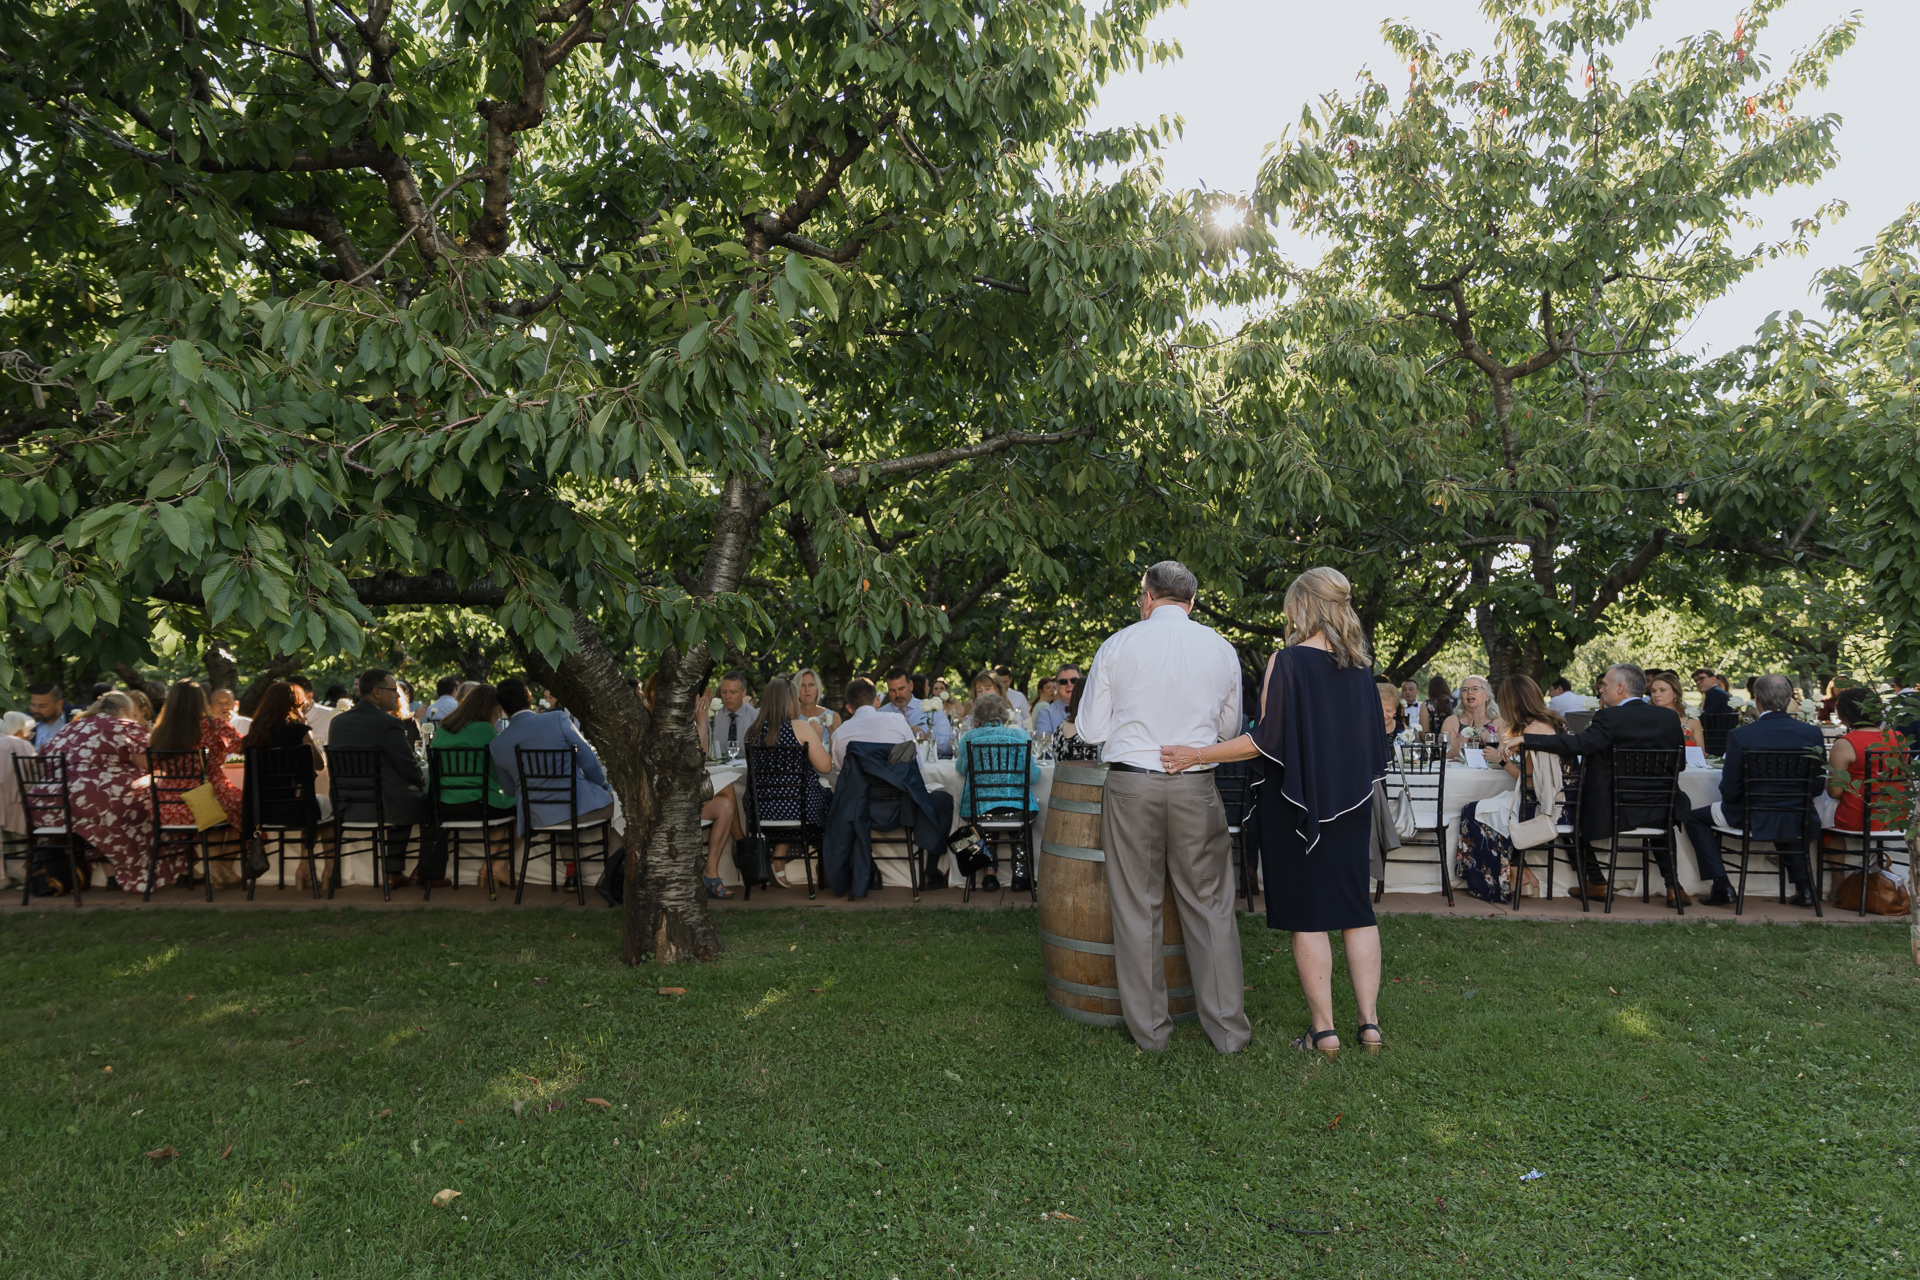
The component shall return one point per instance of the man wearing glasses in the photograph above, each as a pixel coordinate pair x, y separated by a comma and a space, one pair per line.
1052, 715
372, 725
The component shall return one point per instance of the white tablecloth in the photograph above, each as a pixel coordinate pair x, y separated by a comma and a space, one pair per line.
1465, 786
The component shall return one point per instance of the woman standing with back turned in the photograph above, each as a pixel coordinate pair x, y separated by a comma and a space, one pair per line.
1321, 748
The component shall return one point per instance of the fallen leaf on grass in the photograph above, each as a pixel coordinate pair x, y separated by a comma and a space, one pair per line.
167, 1152
673, 991
384, 1113
1064, 1217
441, 1199
192, 997
816, 990
1611, 991
539, 982
600, 1102
106, 1071
298, 1083
142, 1111
301, 1040
1336, 1121
227, 1152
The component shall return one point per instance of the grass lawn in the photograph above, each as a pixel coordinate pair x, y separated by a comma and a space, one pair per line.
886, 1094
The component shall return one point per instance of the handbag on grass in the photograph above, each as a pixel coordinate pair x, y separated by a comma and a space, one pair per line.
203, 802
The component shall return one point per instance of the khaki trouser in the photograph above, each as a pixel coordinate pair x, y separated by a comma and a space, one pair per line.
1162, 831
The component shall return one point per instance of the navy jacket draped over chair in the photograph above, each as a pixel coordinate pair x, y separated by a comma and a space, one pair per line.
846, 857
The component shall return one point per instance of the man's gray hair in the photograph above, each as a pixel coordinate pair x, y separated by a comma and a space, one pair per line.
1631, 676
1773, 691
1171, 580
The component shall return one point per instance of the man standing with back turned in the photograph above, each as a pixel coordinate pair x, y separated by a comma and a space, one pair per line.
1167, 679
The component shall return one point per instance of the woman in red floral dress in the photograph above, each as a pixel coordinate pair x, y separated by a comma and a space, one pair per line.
185, 725
106, 752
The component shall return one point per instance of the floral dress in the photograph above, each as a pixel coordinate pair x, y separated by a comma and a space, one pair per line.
218, 740
112, 812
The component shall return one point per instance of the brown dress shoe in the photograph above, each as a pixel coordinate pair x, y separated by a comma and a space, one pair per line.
1678, 897
398, 882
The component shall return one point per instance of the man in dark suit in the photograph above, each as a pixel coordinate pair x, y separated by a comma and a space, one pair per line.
371, 725
1714, 698
1775, 730
1625, 721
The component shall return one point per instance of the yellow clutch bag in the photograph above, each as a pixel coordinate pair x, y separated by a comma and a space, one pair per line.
204, 804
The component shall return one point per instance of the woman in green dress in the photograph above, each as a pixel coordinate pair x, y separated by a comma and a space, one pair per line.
471, 724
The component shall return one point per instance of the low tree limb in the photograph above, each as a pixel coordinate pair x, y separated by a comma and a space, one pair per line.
845, 476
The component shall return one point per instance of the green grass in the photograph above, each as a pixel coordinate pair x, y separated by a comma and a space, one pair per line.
886, 1094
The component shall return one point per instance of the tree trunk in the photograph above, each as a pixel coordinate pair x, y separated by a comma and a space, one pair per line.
222, 671
474, 664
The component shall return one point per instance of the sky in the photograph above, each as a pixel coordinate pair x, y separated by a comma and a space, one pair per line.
1248, 66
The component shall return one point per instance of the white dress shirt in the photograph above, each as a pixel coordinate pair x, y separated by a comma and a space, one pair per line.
726, 723
1565, 702
1166, 681
320, 720
868, 725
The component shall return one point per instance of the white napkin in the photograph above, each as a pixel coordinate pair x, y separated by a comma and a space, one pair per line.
1474, 760
1696, 757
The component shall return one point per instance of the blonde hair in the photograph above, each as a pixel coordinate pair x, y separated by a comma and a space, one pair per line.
1320, 602
113, 703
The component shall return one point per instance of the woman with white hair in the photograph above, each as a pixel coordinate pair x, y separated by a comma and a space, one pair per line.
16, 739
1473, 718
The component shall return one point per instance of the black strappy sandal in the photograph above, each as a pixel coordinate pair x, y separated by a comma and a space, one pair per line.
1311, 1041
1371, 1046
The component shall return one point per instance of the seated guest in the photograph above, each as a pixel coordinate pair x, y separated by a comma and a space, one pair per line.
807, 686
224, 705
1860, 710
722, 808
369, 724
781, 725
1070, 746
1628, 722
470, 725
317, 717
1485, 857
278, 725
546, 731
991, 723
1773, 730
47, 702
1049, 718
1003, 677
865, 723
1438, 706
1409, 701
1562, 698
106, 752
1475, 712
1663, 691
1714, 700
934, 724
446, 698
1048, 691
16, 739
983, 684
734, 716
186, 724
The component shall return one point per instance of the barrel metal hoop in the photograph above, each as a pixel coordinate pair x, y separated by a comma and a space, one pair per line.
1080, 775
1075, 806
1107, 993
1093, 1019
1102, 948
1073, 851
1087, 1016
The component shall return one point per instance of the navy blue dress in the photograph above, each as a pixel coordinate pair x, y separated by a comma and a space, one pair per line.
1320, 751
778, 800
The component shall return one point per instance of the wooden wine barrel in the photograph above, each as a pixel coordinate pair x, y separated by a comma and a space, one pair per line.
1076, 913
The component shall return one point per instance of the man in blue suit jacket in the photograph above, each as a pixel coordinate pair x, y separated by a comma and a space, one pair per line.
552, 731
1775, 730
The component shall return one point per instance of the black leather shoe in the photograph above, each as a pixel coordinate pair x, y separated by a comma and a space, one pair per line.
1722, 896
1022, 885
1800, 898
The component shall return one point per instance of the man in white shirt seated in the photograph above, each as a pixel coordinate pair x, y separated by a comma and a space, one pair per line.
1003, 676
319, 718
1563, 699
865, 722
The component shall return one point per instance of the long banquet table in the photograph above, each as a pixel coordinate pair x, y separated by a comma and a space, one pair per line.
1465, 786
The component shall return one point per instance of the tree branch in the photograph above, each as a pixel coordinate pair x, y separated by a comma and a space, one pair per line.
319, 222
844, 476
1627, 574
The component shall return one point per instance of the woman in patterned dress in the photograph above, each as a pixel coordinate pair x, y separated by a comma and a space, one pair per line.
184, 725
106, 751
1474, 711
781, 724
